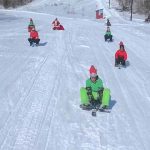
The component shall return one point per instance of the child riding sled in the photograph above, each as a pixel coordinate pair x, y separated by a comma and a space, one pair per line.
94, 94
108, 35
121, 56
34, 37
56, 25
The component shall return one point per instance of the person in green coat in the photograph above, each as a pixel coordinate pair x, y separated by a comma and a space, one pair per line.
108, 35
92, 94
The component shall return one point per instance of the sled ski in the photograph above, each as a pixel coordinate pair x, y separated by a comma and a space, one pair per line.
34, 44
94, 111
119, 66
108, 40
104, 110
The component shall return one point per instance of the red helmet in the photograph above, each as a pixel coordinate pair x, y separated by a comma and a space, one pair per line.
93, 71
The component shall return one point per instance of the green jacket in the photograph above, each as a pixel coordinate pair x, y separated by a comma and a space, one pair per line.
96, 86
108, 33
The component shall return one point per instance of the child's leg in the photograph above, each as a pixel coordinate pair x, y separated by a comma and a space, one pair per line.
84, 96
106, 97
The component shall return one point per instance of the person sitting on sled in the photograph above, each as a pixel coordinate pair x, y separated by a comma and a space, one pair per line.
34, 37
121, 56
31, 25
93, 93
108, 23
108, 35
56, 25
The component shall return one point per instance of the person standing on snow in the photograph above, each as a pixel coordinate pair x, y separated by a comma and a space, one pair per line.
121, 56
92, 94
34, 37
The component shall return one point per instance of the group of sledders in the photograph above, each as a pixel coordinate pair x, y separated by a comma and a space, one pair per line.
34, 36
95, 95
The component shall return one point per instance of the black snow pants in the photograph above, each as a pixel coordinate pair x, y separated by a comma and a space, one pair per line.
108, 37
120, 60
36, 41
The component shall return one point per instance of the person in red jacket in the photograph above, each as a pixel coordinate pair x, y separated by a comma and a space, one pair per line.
34, 37
120, 56
56, 25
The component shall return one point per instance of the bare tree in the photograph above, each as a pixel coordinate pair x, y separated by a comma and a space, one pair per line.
140, 6
14, 3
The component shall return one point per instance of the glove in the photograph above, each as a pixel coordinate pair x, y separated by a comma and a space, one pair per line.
89, 93
100, 91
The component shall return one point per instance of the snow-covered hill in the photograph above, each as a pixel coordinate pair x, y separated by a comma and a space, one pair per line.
39, 90
68, 8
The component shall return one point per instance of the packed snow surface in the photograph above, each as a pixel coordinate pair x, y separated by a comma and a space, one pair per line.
40, 86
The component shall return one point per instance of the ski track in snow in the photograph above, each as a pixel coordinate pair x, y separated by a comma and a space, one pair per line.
39, 106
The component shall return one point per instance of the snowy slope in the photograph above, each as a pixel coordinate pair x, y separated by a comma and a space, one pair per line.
39, 91
68, 8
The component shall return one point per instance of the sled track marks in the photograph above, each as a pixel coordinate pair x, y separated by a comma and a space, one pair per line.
70, 49
57, 84
18, 109
25, 108
49, 111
